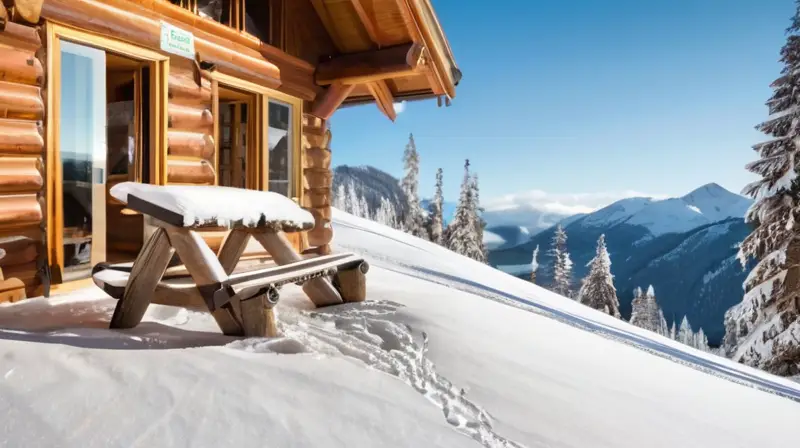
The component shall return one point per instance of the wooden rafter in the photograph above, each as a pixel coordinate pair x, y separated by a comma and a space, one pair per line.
327, 103
366, 20
370, 66
383, 98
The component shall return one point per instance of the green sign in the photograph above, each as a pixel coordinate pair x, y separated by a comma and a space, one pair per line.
177, 41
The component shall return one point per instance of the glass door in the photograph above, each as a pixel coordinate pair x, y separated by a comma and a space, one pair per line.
82, 143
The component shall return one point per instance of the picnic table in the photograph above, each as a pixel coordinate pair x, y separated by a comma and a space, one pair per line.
241, 302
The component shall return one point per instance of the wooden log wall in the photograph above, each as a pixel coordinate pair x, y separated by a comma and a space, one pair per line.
191, 150
317, 181
22, 152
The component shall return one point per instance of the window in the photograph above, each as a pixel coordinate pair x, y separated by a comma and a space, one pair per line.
250, 16
280, 142
256, 19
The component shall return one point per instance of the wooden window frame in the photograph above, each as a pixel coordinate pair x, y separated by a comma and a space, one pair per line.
159, 81
237, 15
259, 168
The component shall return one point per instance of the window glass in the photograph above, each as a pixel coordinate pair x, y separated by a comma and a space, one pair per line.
280, 141
217, 10
256, 20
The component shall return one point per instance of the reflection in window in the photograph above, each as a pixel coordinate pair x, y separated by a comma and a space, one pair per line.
279, 140
256, 21
217, 10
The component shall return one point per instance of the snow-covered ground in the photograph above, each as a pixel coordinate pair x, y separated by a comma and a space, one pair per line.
502, 363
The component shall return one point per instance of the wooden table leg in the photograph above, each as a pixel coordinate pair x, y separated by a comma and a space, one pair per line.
319, 290
232, 249
258, 315
207, 272
147, 270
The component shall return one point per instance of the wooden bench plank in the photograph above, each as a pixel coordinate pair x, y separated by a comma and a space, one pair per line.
319, 290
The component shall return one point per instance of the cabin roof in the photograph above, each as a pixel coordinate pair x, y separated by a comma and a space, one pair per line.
362, 27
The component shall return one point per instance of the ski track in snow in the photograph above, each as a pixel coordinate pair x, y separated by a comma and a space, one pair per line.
654, 347
635, 340
364, 331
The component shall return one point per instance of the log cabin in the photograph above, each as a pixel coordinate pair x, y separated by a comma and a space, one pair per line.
210, 92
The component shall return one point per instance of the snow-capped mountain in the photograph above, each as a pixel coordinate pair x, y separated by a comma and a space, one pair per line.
685, 247
705, 205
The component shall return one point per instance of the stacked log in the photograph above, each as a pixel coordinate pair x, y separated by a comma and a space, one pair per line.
22, 151
191, 153
317, 181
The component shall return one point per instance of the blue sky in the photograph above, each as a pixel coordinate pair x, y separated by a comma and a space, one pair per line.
588, 97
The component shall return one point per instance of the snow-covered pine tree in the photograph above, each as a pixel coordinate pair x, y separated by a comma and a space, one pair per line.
386, 214
461, 233
436, 211
414, 219
638, 308
480, 224
534, 264
685, 333
673, 332
340, 198
562, 265
663, 327
764, 329
598, 289
363, 208
701, 341
647, 314
352, 201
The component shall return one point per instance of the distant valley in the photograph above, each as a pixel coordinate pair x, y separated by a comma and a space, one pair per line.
685, 247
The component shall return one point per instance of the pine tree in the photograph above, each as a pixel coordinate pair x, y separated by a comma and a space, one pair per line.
461, 234
701, 341
386, 214
352, 201
663, 327
764, 329
638, 305
685, 333
414, 219
534, 264
480, 224
646, 312
598, 289
672, 332
562, 265
363, 208
340, 198
436, 211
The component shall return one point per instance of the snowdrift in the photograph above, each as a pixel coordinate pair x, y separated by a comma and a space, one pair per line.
446, 352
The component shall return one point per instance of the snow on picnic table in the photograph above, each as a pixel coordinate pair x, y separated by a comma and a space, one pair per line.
508, 364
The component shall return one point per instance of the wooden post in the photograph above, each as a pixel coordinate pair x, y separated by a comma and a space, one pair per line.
258, 315
352, 283
319, 290
207, 272
148, 268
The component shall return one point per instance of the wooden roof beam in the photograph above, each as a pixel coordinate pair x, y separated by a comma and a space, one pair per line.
371, 66
383, 98
326, 103
366, 20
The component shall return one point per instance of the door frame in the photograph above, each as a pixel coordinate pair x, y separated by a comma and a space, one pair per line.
260, 115
159, 81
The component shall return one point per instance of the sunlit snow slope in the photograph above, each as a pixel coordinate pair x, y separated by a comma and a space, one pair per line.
507, 364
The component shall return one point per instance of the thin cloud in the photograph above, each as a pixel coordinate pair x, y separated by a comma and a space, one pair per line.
400, 107
561, 203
